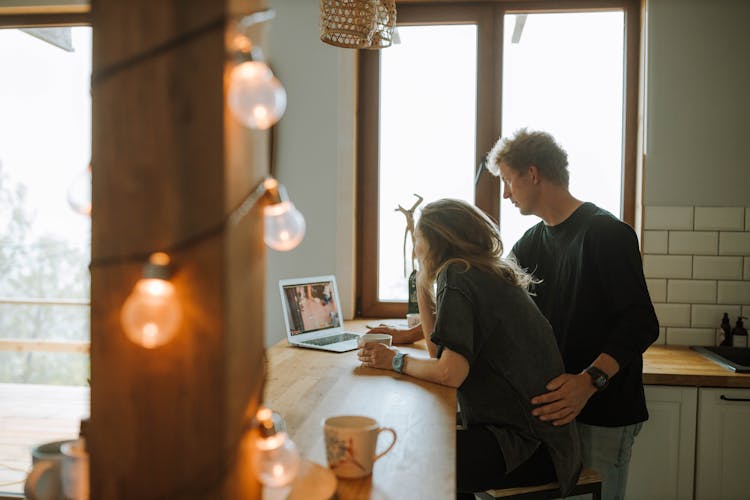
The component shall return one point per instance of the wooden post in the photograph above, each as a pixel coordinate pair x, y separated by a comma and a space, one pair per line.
169, 164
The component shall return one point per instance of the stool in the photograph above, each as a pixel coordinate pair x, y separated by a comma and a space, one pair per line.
589, 481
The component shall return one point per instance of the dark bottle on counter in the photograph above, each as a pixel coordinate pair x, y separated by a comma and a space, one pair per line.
726, 328
739, 334
413, 305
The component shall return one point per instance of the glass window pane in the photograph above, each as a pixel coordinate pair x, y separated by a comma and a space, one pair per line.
45, 368
564, 75
45, 144
427, 134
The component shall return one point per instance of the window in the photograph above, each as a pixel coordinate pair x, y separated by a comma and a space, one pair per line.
463, 75
45, 137
414, 84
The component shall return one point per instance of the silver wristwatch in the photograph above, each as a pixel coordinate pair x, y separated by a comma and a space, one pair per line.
398, 362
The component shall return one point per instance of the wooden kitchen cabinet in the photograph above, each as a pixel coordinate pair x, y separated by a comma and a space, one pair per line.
723, 446
663, 457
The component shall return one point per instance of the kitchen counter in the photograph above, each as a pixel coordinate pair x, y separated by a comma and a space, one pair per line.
678, 365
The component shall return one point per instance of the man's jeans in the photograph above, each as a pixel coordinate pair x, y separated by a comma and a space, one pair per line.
607, 451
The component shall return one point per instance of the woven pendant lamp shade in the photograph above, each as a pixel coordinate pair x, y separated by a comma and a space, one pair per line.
357, 24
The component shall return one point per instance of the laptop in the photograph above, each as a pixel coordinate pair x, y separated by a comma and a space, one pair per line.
312, 314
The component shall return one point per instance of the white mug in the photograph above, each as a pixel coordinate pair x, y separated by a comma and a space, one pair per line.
351, 443
412, 320
380, 338
44, 480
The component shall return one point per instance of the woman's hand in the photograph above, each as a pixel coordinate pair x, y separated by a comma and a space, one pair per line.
400, 336
375, 355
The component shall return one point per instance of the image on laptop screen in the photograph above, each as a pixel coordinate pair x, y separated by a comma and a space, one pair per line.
311, 307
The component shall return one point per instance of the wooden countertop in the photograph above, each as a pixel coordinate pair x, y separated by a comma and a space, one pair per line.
678, 365
307, 385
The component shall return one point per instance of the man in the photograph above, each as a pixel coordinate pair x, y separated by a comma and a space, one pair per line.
592, 290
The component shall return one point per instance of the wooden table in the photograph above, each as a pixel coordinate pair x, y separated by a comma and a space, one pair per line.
307, 385
678, 365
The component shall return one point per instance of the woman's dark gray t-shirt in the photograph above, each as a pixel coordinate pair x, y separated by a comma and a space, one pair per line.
512, 354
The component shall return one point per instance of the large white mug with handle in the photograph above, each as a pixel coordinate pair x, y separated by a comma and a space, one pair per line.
351, 443
44, 481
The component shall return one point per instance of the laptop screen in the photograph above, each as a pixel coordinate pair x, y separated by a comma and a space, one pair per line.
310, 307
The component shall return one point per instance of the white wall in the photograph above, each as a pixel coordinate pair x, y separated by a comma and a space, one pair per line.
698, 103
315, 156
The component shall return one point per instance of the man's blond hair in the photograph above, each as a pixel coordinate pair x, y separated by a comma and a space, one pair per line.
527, 148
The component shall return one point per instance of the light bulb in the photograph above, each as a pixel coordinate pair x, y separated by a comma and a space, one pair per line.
256, 97
284, 226
79, 192
276, 458
151, 314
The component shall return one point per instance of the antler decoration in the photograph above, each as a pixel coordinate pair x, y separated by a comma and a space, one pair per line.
409, 214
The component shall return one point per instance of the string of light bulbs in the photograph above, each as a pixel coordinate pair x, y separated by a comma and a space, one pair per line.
151, 314
256, 97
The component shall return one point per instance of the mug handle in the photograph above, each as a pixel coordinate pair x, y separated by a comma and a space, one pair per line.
393, 433
38, 477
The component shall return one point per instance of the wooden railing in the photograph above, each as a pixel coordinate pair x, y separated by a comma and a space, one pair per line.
44, 345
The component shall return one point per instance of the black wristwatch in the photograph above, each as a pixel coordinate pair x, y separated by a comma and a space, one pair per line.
598, 378
398, 362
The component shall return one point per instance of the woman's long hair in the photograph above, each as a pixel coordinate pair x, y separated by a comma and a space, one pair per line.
458, 232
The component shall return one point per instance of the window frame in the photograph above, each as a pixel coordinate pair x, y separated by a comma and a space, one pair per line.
488, 16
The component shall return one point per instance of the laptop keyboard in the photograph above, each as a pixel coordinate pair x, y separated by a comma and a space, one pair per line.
333, 339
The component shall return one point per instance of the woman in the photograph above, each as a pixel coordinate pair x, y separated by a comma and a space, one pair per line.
487, 338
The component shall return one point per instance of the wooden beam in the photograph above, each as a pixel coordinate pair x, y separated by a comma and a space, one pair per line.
42, 20
45, 7
169, 163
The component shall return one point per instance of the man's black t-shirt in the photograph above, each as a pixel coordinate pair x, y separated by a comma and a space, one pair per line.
594, 295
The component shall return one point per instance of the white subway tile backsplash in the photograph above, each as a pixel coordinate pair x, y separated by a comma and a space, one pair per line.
734, 292
717, 268
709, 316
655, 241
691, 336
657, 289
725, 218
697, 266
668, 218
734, 243
673, 314
668, 266
691, 291
694, 242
